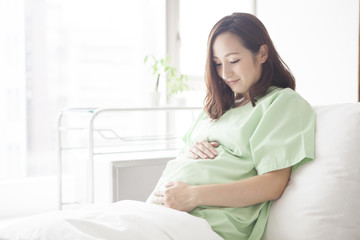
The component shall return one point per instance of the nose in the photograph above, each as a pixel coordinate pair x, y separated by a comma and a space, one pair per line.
226, 72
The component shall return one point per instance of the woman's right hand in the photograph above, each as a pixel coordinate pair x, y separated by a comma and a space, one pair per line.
203, 150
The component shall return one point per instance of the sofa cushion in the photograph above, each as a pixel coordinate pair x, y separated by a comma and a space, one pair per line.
322, 200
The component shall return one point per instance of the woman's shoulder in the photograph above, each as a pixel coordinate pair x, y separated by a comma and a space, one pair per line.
282, 94
285, 97
274, 92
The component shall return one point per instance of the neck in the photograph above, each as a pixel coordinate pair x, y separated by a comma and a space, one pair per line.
246, 96
241, 102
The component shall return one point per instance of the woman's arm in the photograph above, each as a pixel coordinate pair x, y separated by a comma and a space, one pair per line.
181, 196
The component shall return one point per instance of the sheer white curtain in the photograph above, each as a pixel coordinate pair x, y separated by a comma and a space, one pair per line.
71, 53
86, 53
12, 90
56, 54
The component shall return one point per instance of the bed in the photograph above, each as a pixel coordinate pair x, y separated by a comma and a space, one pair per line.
320, 202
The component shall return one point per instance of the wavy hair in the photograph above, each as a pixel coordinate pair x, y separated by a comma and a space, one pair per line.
219, 96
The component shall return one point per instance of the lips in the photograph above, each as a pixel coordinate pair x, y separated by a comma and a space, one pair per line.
232, 82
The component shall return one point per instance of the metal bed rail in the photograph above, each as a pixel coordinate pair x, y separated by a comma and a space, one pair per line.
94, 113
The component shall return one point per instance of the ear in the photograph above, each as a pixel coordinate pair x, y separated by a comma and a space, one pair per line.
263, 53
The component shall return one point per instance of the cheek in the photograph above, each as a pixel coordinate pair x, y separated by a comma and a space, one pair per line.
219, 71
257, 71
247, 69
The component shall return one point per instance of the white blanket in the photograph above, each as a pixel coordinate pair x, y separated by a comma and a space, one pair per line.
122, 220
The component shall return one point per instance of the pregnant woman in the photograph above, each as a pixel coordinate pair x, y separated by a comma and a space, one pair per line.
254, 130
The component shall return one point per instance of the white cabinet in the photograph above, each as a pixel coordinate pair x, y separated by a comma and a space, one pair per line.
135, 179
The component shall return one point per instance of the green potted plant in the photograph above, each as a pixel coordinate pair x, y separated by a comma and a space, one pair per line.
176, 82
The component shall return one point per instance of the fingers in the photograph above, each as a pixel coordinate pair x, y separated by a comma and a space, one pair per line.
174, 194
203, 149
190, 154
161, 197
159, 193
158, 197
158, 200
210, 147
170, 184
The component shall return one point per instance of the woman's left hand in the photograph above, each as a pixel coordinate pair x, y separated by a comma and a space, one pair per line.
177, 195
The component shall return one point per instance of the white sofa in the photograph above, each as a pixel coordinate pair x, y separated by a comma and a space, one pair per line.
322, 200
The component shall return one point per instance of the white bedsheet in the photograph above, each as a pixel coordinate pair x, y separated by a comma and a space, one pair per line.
121, 220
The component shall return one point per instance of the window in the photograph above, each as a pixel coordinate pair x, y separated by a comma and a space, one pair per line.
12, 91
196, 20
70, 53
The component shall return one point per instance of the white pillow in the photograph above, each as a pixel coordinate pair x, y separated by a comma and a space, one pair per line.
322, 200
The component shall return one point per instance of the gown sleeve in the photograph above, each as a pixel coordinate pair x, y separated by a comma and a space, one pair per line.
285, 135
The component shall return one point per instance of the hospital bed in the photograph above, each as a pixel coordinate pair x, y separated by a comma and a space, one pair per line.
321, 200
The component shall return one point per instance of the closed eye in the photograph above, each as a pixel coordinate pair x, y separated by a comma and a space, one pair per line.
235, 61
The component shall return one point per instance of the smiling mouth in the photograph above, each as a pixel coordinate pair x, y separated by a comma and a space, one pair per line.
232, 82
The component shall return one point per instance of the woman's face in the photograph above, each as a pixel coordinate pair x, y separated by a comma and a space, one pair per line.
235, 64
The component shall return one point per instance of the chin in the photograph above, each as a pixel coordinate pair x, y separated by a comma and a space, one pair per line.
237, 91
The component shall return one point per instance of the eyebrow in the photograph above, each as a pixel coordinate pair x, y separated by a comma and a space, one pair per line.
232, 53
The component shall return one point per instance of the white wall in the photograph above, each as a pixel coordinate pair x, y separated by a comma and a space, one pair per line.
318, 39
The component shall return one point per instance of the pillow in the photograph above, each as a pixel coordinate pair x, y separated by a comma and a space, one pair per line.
322, 200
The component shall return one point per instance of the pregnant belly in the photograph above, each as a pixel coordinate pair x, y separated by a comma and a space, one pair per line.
224, 168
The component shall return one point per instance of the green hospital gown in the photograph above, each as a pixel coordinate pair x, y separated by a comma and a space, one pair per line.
277, 133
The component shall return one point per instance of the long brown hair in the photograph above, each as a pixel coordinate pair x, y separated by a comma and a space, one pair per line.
219, 96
